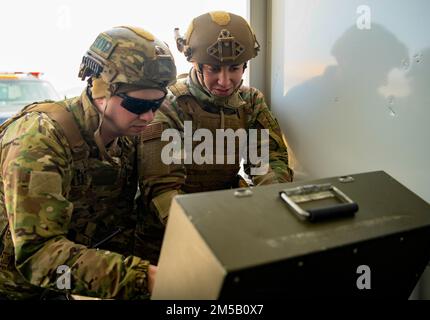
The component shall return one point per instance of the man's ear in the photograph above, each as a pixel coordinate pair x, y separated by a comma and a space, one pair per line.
100, 103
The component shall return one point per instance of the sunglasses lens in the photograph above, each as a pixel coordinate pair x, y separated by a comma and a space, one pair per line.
139, 106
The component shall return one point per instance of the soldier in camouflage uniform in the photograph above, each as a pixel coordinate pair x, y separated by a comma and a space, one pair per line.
69, 176
219, 44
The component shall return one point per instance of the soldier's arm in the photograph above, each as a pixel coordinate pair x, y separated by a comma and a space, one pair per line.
262, 118
162, 174
36, 171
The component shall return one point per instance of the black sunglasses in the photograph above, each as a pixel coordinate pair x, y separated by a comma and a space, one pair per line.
139, 106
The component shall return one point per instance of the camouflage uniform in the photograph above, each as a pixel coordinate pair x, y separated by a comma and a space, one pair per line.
59, 208
66, 200
190, 101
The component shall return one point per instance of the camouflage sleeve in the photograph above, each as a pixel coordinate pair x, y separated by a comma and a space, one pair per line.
262, 118
36, 175
161, 170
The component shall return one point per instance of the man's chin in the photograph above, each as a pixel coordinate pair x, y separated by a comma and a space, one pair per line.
221, 94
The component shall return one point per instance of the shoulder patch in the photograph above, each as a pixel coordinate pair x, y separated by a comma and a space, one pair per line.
44, 182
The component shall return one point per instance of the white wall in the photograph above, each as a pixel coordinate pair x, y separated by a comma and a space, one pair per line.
351, 99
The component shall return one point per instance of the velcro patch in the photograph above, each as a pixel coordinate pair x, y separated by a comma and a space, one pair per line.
103, 45
152, 131
44, 182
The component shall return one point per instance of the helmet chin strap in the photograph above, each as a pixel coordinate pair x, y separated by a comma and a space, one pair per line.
202, 80
97, 134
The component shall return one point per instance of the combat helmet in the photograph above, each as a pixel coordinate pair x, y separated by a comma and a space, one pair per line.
218, 38
131, 56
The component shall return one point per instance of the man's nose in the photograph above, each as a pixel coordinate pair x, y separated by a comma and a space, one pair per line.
224, 78
147, 116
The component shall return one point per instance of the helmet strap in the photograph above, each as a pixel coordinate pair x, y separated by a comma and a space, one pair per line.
202, 80
97, 134
200, 69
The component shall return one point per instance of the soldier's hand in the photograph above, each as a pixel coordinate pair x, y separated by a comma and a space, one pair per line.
152, 272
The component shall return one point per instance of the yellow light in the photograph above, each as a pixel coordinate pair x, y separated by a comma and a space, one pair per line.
8, 76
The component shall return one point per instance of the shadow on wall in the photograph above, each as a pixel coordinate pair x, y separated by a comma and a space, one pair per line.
414, 132
333, 120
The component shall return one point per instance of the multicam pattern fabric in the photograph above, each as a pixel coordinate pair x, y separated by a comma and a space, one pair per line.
59, 209
187, 102
129, 55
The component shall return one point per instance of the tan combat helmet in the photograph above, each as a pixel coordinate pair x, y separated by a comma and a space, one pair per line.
131, 56
218, 38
